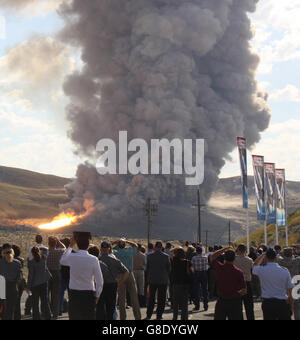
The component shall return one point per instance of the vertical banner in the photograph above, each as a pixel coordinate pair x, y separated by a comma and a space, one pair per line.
259, 182
270, 192
281, 202
241, 142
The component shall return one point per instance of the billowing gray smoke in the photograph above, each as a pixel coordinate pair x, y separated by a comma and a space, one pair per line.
159, 69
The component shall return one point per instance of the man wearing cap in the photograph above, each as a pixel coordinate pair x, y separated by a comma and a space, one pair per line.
116, 274
276, 285
158, 269
125, 255
86, 280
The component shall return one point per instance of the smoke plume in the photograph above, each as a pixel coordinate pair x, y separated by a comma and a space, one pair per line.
159, 69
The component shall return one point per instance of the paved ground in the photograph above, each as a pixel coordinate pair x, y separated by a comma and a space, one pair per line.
202, 315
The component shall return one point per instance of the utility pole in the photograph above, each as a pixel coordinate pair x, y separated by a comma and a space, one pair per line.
206, 239
150, 209
229, 232
199, 206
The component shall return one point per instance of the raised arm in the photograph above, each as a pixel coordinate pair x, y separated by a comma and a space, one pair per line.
259, 260
60, 244
65, 257
218, 253
132, 244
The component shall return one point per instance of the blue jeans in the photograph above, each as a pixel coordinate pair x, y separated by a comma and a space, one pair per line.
200, 288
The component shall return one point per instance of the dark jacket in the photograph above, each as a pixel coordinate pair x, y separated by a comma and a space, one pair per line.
181, 272
38, 272
158, 268
12, 272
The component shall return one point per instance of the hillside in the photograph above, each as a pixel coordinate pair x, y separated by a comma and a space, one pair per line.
257, 237
26, 195
31, 198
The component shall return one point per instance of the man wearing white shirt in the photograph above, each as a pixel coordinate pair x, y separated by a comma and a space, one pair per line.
86, 280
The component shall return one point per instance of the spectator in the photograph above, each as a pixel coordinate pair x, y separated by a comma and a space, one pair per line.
139, 267
86, 280
253, 254
65, 279
158, 268
150, 249
245, 264
56, 250
278, 250
114, 273
168, 248
39, 244
293, 266
231, 286
38, 281
2, 296
125, 255
200, 268
190, 253
21, 284
181, 280
11, 270
276, 284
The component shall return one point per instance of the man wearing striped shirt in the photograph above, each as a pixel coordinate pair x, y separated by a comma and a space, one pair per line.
200, 267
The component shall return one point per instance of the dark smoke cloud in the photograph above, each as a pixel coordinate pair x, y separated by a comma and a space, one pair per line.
159, 68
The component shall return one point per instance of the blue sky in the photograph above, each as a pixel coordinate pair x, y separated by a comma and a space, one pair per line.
33, 135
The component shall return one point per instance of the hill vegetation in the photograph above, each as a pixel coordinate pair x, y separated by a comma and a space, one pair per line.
257, 237
29, 195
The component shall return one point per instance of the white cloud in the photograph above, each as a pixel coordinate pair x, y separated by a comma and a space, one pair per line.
49, 154
290, 93
29, 142
279, 144
33, 72
277, 28
32, 8
40, 62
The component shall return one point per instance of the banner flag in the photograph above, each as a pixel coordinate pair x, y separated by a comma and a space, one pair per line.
259, 182
281, 194
270, 192
241, 142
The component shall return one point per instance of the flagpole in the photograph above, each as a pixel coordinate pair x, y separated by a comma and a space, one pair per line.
248, 232
266, 208
266, 232
286, 216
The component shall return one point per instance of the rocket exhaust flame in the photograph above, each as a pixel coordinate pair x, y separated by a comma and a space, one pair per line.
61, 221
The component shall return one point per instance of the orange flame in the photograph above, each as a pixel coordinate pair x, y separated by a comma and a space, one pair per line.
61, 221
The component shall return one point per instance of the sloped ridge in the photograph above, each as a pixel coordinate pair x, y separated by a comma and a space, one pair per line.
30, 179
